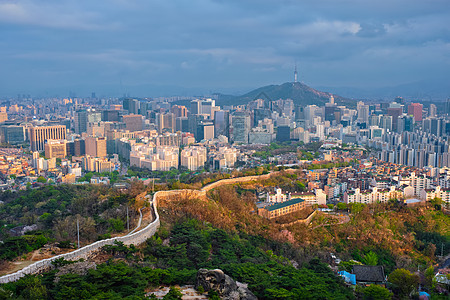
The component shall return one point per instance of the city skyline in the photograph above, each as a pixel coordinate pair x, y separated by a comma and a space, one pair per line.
161, 48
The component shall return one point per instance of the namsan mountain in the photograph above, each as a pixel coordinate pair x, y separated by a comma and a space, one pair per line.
299, 92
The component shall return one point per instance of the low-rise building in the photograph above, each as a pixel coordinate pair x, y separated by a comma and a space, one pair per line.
283, 208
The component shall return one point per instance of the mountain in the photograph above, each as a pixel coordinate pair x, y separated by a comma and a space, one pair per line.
431, 90
300, 93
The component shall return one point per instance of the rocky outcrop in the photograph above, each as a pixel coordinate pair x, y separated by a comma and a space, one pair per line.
224, 285
80, 268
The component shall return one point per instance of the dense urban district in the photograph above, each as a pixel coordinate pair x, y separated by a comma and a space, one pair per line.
269, 199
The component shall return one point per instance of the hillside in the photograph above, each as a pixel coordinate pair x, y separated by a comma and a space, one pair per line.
300, 93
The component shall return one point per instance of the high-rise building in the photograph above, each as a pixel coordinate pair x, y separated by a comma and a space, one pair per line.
166, 122
96, 146
179, 111
144, 108
110, 115
131, 105
13, 134
363, 112
80, 121
39, 135
283, 133
222, 123
432, 111
3, 116
405, 123
79, 147
182, 124
196, 107
203, 107
205, 131
208, 107
415, 109
447, 106
55, 149
394, 112
386, 122
241, 127
133, 122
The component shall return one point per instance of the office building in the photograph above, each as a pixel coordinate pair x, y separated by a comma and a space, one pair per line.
241, 127
182, 124
39, 135
222, 123
416, 109
55, 149
165, 122
79, 146
133, 122
110, 115
179, 111
13, 135
283, 133
96, 146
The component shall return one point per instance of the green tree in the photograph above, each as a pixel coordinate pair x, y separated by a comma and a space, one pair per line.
429, 275
41, 179
403, 282
173, 294
31, 287
300, 186
437, 203
341, 206
377, 292
370, 259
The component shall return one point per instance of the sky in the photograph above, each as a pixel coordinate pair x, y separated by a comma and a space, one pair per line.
156, 47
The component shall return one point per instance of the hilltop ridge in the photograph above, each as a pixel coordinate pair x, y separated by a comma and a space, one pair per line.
299, 92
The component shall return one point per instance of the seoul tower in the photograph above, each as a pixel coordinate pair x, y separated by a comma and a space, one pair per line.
295, 73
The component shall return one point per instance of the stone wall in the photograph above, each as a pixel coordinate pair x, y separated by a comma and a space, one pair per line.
86, 252
135, 238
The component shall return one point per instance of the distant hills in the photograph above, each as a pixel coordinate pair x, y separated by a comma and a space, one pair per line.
300, 93
431, 90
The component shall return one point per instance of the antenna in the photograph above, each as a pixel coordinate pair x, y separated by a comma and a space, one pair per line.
295, 73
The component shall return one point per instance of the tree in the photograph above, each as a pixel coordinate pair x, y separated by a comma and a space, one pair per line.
437, 203
31, 288
173, 294
341, 206
41, 179
377, 292
403, 282
370, 259
429, 275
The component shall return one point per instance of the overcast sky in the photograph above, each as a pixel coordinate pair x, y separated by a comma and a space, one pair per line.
221, 45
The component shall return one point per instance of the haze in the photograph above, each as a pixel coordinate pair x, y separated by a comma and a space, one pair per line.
174, 47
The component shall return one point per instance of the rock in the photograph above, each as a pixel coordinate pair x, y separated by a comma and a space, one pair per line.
79, 268
224, 285
244, 292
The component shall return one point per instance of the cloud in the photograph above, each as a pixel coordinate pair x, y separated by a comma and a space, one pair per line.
215, 43
61, 15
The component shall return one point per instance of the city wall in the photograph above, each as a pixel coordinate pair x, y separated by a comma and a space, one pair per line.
88, 251
134, 238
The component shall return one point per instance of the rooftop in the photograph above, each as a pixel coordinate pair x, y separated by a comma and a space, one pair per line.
284, 204
369, 273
